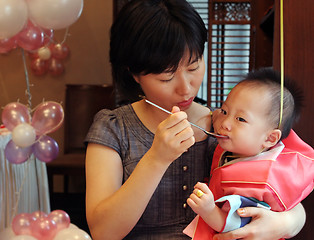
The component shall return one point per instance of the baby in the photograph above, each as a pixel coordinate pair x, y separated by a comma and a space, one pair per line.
252, 166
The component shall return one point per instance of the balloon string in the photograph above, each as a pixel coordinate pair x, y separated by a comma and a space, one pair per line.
281, 62
15, 208
28, 92
29, 99
65, 35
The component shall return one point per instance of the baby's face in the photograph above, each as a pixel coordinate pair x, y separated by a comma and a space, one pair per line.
243, 118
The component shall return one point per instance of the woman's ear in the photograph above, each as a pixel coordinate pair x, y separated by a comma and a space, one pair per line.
136, 78
273, 138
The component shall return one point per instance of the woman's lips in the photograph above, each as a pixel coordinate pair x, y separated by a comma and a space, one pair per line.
186, 103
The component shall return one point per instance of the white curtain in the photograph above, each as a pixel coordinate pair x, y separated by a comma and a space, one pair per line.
23, 187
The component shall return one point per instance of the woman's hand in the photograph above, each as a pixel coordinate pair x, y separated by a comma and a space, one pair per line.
173, 137
267, 225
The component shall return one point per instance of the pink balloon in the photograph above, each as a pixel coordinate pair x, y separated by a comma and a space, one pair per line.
54, 14
61, 218
46, 149
13, 17
31, 37
15, 154
14, 114
59, 51
48, 117
56, 67
39, 67
6, 45
37, 214
21, 224
43, 229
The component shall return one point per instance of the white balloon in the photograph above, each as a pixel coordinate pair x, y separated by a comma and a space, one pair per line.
23, 135
7, 234
44, 53
13, 17
54, 14
72, 234
23, 237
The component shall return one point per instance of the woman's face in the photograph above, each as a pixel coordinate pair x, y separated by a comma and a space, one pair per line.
178, 88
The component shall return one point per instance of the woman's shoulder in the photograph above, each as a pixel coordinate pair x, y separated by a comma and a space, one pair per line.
114, 113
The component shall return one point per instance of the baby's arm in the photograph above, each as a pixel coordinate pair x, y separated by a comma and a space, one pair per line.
204, 205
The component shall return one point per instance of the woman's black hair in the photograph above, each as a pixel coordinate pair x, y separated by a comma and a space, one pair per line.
151, 36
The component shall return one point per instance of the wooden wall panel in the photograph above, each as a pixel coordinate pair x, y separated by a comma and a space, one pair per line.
299, 58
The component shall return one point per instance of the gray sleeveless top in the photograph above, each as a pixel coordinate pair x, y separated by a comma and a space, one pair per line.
167, 213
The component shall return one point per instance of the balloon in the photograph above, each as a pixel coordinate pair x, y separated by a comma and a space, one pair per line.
14, 114
46, 149
30, 38
7, 44
48, 117
39, 67
23, 237
44, 53
38, 214
7, 233
56, 67
15, 154
13, 16
73, 226
43, 229
21, 224
23, 135
59, 51
54, 14
72, 234
61, 218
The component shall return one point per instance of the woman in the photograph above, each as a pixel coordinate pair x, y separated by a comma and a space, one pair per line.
141, 163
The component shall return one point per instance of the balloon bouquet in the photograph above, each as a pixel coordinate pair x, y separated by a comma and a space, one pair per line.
29, 137
30, 24
41, 226
29, 134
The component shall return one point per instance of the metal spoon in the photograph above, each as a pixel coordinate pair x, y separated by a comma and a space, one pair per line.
205, 131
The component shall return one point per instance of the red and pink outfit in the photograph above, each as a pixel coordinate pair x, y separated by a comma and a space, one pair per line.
281, 177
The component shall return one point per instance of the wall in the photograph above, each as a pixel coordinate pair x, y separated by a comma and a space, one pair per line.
88, 62
299, 57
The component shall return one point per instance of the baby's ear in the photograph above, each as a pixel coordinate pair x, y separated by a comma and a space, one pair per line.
272, 138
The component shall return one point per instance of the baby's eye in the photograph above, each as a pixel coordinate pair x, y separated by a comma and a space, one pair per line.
241, 119
223, 111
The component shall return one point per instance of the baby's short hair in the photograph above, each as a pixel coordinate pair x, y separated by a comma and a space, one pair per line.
292, 97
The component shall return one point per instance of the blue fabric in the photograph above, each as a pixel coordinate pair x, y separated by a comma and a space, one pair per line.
231, 204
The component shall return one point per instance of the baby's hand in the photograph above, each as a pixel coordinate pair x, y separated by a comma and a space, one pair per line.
201, 200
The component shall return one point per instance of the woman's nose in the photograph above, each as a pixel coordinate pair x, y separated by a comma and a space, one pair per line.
184, 85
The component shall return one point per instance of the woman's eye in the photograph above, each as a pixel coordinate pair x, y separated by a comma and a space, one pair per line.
167, 80
194, 68
240, 119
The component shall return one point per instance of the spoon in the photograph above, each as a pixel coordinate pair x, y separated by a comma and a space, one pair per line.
205, 131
